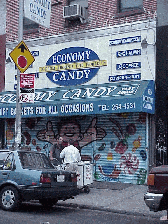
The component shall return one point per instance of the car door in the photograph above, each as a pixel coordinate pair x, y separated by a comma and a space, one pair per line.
6, 166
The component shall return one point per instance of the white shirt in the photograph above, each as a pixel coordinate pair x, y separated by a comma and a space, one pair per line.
70, 154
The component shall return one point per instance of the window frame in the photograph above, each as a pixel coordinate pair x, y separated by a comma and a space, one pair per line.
34, 26
130, 11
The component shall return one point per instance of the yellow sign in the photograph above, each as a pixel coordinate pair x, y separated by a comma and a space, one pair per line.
22, 57
72, 66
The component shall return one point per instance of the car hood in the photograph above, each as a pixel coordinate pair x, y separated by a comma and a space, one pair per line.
160, 169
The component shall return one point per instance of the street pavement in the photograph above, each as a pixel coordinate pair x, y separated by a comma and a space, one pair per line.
115, 197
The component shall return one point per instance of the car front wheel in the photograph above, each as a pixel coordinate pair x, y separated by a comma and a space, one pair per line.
9, 198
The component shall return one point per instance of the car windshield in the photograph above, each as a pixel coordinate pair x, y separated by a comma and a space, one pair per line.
35, 160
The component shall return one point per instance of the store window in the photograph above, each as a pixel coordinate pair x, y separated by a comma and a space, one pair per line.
129, 5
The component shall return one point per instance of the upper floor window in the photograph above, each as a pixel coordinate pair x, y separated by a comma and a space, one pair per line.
29, 26
129, 5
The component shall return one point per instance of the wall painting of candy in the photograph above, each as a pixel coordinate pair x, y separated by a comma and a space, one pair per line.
121, 155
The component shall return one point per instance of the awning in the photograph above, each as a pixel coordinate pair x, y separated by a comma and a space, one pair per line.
123, 97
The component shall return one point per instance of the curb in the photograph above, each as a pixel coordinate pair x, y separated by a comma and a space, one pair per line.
73, 205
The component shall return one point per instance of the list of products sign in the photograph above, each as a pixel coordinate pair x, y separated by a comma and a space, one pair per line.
126, 65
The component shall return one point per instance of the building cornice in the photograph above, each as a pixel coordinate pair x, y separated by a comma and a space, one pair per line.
88, 34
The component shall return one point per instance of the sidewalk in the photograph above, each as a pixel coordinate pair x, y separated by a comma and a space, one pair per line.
114, 197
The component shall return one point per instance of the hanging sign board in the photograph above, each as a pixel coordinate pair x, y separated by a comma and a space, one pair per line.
22, 57
27, 92
38, 11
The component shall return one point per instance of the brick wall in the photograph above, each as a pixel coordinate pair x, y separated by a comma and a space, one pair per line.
100, 14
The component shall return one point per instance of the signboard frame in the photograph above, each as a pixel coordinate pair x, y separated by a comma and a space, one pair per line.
38, 11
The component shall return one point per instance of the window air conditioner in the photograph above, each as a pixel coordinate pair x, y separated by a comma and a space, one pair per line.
73, 11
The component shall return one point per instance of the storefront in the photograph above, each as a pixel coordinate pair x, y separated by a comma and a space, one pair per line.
108, 123
98, 91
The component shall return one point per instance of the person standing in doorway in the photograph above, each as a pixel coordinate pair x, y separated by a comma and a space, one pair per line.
55, 151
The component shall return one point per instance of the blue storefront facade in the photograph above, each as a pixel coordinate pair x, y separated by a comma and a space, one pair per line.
108, 123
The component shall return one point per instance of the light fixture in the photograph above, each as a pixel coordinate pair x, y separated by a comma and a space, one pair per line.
144, 43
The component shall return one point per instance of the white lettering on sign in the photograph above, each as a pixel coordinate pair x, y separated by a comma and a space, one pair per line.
37, 11
4, 111
52, 110
39, 96
77, 108
148, 99
128, 53
71, 75
27, 111
8, 98
125, 106
72, 57
128, 65
89, 93
125, 77
147, 106
40, 110
127, 90
126, 40
50, 94
13, 111
103, 107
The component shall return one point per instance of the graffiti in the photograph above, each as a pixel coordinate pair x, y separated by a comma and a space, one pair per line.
136, 143
141, 177
112, 144
109, 155
117, 152
108, 179
97, 157
161, 150
129, 163
122, 145
161, 144
34, 142
160, 127
105, 170
28, 137
38, 148
97, 176
143, 155
70, 130
102, 147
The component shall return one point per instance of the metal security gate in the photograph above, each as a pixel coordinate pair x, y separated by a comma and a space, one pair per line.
121, 155
114, 143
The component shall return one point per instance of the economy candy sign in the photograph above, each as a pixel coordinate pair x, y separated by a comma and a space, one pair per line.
72, 66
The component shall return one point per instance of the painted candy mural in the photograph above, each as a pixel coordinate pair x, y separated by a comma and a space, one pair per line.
114, 143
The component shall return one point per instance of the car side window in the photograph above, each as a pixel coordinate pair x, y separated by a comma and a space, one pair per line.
8, 162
